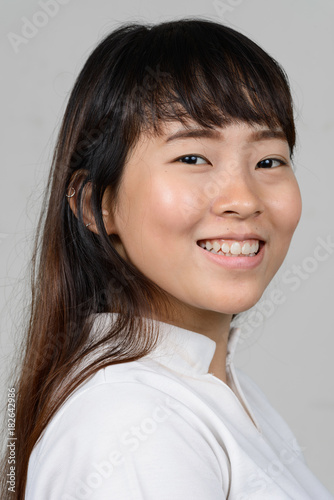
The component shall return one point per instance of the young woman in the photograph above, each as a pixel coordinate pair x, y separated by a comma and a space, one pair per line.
171, 205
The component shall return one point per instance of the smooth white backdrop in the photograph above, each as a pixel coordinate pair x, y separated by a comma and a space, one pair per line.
288, 346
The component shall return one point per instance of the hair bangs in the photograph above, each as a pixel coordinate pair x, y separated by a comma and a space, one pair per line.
188, 71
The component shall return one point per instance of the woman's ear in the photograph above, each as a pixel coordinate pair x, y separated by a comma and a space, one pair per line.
108, 212
86, 195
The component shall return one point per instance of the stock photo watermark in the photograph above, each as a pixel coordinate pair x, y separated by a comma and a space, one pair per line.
260, 481
94, 136
212, 188
11, 439
31, 27
129, 441
291, 281
3, 236
225, 7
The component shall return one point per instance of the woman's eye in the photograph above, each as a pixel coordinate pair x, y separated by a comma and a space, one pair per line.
270, 163
193, 160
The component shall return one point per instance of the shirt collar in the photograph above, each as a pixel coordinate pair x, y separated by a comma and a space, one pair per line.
182, 350
187, 351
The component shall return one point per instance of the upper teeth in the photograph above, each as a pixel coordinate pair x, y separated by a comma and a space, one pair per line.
231, 248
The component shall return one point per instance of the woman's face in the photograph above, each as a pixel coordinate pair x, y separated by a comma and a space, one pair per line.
192, 189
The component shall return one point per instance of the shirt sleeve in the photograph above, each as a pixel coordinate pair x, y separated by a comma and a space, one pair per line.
125, 441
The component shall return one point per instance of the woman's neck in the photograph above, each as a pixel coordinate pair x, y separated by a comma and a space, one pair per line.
213, 325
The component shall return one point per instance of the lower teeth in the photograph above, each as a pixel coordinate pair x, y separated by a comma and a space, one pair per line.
232, 255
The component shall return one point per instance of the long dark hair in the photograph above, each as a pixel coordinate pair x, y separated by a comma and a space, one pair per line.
137, 78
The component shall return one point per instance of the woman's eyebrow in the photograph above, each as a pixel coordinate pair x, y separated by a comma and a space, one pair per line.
267, 133
256, 135
195, 133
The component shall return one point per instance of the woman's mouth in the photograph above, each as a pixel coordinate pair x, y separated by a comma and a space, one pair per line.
232, 248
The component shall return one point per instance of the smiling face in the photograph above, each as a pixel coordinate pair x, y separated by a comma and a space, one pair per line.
208, 214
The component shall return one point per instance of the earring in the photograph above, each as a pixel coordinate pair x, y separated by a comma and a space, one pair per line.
72, 193
88, 224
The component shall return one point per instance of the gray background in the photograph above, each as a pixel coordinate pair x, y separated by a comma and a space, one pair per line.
288, 347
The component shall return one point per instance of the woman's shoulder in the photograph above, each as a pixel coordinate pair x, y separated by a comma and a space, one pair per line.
110, 396
116, 424
112, 401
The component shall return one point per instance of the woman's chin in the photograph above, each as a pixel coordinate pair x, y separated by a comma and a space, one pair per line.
237, 305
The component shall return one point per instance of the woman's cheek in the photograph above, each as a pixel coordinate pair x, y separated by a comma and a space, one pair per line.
178, 204
293, 208
286, 206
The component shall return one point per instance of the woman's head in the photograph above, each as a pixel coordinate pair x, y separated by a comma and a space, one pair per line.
140, 83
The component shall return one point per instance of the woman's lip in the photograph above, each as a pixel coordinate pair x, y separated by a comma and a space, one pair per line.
234, 237
242, 262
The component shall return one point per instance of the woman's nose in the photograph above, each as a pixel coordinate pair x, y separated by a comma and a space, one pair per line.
238, 197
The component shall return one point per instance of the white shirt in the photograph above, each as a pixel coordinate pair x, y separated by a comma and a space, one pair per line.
164, 428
